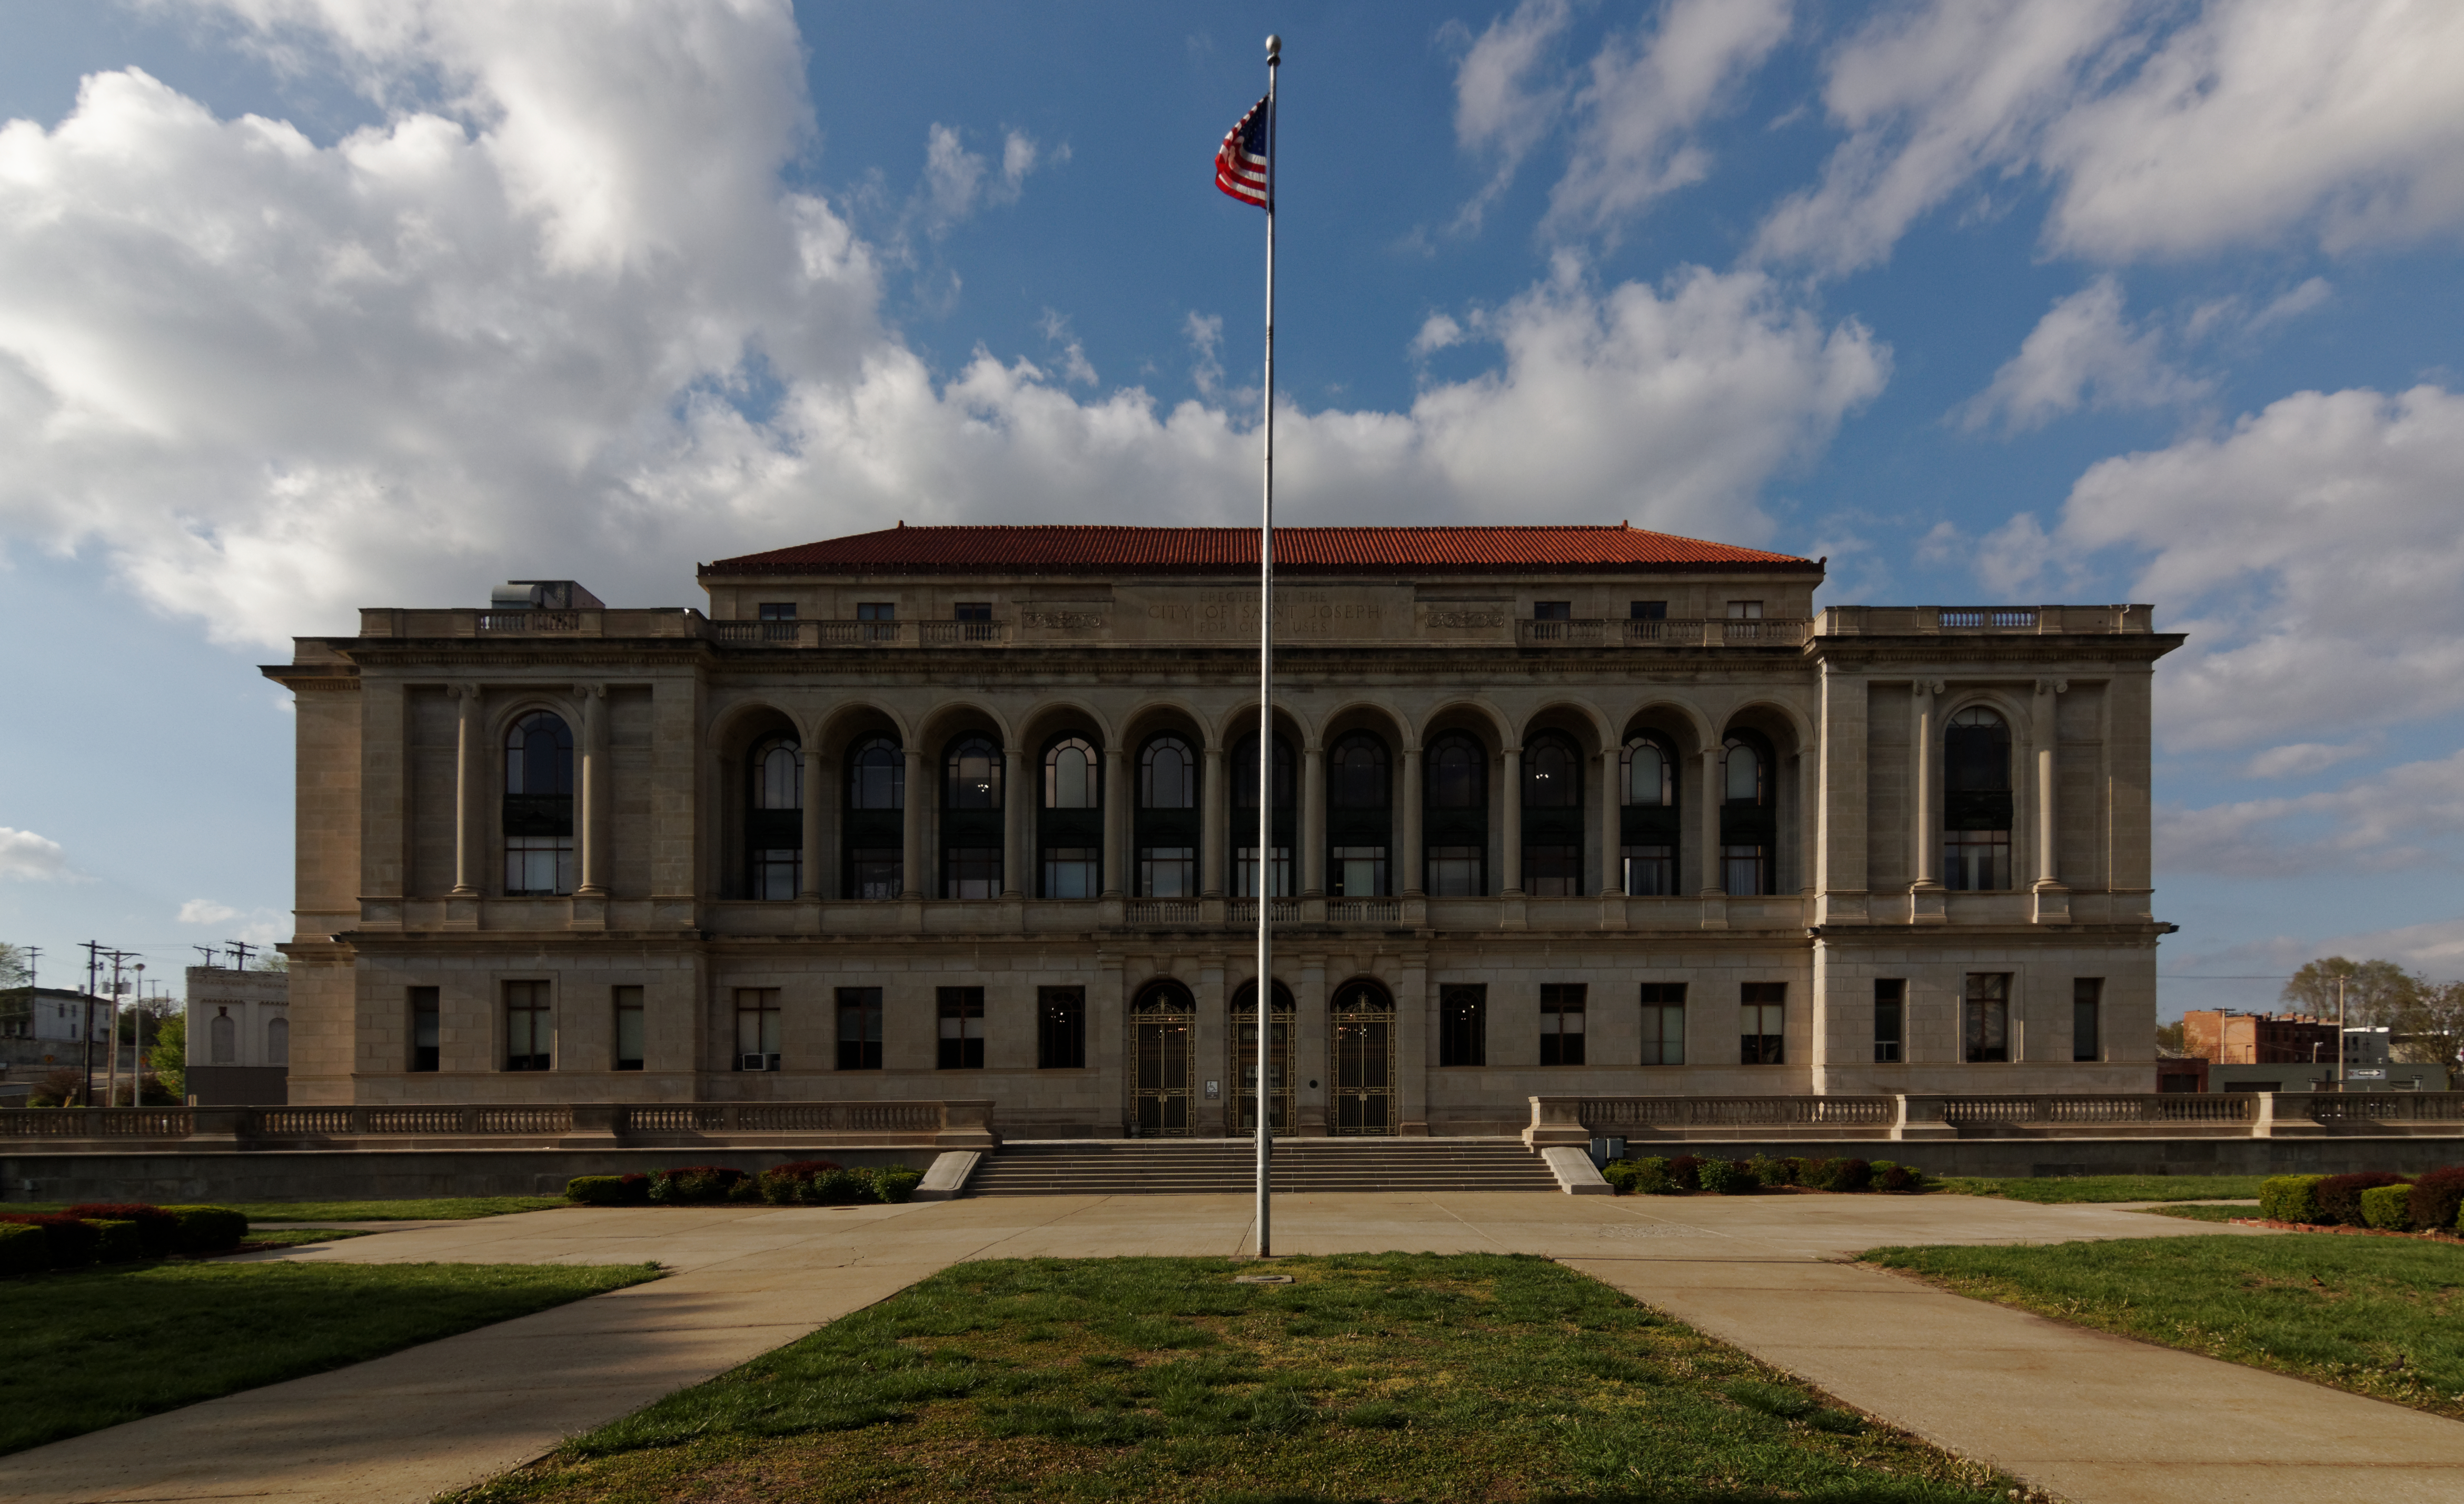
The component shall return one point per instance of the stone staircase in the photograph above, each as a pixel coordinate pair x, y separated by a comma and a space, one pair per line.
1217, 1167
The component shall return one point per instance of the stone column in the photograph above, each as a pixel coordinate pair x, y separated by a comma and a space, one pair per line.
1924, 783
1511, 866
1611, 824
1214, 798
1117, 823
819, 796
1021, 790
919, 791
1411, 873
2048, 829
470, 791
1715, 874
1312, 852
593, 700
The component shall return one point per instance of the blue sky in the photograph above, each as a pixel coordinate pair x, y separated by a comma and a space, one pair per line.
312, 304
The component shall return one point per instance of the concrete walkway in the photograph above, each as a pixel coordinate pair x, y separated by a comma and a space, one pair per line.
2092, 1418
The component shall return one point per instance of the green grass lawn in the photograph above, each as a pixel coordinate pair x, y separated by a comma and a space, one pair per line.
2376, 1315
292, 1237
456, 1208
1385, 1377
2058, 1189
2201, 1213
91, 1348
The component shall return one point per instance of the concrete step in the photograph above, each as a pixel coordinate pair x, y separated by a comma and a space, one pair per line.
1221, 1166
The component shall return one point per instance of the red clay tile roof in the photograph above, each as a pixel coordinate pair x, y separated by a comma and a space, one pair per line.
1225, 550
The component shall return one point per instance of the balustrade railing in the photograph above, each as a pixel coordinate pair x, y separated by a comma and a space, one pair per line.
1364, 911
365, 1127
501, 623
1165, 911
958, 634
2261, 1114
1666, 632
1603, 1113
1244, 912
782, 634
861, 634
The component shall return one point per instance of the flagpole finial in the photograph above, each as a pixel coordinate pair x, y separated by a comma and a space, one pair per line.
1274, 49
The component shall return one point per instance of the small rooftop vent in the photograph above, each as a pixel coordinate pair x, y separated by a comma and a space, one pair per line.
543, 595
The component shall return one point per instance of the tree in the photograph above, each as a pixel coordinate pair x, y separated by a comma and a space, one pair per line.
168, 1059
2430, 1029
15, 969
2169, 1043
271, 961
2375, 991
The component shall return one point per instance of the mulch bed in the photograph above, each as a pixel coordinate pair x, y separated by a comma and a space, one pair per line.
2433, 1235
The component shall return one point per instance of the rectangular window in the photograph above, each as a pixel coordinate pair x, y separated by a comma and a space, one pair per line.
2087, 1002
1745, 610
1561, 1023
1553, 611
1986, 1025
972, 611
1663, 1023
757, 1028
1648, 611
530, 1027
1071, 872
962, 1028
1463, 1024
1060, 1027
1359, 872
971, 872
1741, 868
1457, 872
1278, 872
1890, 1019
777, 611
424, 1031
778, 873
1762, 1022
859, 1028
878, 611
1976, 861
1553, 871
1168, 871
538, 866
876, 872
1651, 871
628, 1028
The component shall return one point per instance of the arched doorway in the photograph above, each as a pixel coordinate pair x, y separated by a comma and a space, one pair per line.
1244, 1059
1363, 1048
1162, 1038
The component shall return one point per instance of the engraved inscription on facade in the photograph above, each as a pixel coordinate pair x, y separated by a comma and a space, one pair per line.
1064, 621
1467, 619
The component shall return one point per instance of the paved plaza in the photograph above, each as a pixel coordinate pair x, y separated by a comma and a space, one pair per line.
2094, 1418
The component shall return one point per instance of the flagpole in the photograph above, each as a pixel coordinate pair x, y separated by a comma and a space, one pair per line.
1266, 864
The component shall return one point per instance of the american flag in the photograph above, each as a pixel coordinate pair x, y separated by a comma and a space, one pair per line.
1242, 167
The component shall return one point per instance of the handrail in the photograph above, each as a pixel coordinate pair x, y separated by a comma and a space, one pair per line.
953, 1121
1920, 1115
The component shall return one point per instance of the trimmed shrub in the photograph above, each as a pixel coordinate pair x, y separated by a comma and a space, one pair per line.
2438, 1198
2340, 1196
1898, 1177
1727, 1177
209, 1229
1647, 1176
69, 1243
115, 1241
1685, 1173
1769, 1171
697, 1184
895, 1183
157, 1229
595, 1190
2388, 1206
783, 1185
23, 1250
1840, 1175
2290, 1198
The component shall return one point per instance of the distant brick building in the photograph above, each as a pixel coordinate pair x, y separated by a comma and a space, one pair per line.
2223, 1037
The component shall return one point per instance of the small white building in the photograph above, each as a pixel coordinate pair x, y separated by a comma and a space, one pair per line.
239, 1037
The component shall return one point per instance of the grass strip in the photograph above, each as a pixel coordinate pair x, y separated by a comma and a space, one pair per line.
2061, 1190
2374, 1316
2203, 1212
1387, 1376
83, 1350
295, 1238
431, 1208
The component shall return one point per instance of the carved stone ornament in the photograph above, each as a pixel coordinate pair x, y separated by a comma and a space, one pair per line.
2053, 687
1065, 621
1467, 619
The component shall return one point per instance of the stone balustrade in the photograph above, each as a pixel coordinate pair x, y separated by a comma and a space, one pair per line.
745, 1124
1578, 1120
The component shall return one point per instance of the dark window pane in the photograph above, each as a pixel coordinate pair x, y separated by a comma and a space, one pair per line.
628, 1028
1358, 772
1985, 1018
859, 1028
1561, 1023
1463, 1025
1060, 1027
971, 872
1553, 871
1457, 774
530, 1028
1762, 1022
777, 611
1553, 611
1890, 997
2087, 1003
424, 1030
961, 1011
1663, 1023
972, 611
1649, 611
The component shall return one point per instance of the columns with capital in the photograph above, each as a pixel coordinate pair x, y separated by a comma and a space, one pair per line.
1612, 825
1409, 885
2052, 901
1215, 795
470, 790
1715, 871
1510, 869
1312, 851
818, 794
1021, 790
919, 789
1116, 824
594, 789
1924, 784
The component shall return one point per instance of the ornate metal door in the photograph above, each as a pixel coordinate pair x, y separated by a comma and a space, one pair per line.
1279, 1058
1162, 1042
1363, 1046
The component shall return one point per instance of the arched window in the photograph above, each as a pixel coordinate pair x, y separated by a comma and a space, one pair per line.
277, 1042
1746, 784
1070, 828
1648, 822
1167, 819
1749, 823
1553, 817
875, 837
1072, 779
774, 822
1357, 767
1976, 802
222, 1038
1245, 824
1360, 817
971, 819
1455, 819
539, 807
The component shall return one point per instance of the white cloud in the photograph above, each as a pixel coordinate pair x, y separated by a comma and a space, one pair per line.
959, 181
2083, 349
1507, 98
498, 336
1438, 331
2301, 759
205, 911
2404, 817
31, 858
2165, 132
2313, 551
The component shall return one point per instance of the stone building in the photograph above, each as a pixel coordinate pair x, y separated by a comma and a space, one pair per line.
239, 1037
2225, 1037
970, 812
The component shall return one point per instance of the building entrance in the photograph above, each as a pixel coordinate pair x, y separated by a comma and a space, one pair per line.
1162, 1041
1279, 1058
1364, 1059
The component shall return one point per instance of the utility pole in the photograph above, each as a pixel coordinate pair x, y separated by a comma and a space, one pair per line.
2339, 1033
210, 952
85, 1031
239, 953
